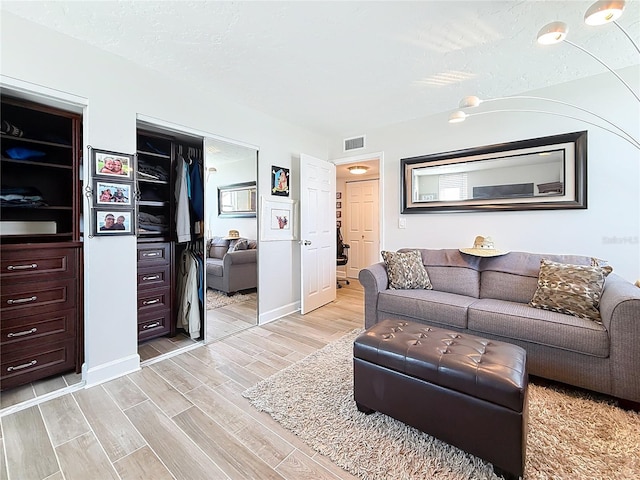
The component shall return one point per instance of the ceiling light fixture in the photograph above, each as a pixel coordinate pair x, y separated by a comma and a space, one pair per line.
358, 169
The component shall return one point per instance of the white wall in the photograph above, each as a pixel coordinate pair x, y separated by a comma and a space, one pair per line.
609, 228
116, 92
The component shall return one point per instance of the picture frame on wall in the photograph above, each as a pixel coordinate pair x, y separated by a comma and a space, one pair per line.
338, 204
118, 194
113, 222
338, 223
338, 195
280, 181
278, 220
105, 163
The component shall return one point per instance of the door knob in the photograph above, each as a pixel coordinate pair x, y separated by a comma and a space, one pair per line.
307, 242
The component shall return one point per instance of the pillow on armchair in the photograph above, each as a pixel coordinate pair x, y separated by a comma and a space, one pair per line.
218, 247
238, 244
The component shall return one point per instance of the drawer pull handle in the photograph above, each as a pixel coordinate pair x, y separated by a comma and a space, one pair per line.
22, 267
151, 302
150, 277
151, 254
151, 325
22, 300
20, 334
24, 365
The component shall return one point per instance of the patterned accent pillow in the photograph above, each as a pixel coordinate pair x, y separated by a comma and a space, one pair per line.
218, 247
406, 271
571, 289
239, 244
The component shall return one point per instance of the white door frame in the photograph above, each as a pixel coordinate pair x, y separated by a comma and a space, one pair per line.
379, 156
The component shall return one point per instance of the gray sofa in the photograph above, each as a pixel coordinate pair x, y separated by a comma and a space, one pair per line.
489, 297
232, 265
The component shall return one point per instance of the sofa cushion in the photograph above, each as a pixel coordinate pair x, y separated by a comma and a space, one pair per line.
429, 306
218, 247
571, 289
452, 272
519, 321
514, 276
405, 270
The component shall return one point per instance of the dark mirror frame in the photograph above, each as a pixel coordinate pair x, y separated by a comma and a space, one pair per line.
250, 188
575, 176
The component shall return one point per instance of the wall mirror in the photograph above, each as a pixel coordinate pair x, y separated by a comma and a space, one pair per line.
237, 200
541, 173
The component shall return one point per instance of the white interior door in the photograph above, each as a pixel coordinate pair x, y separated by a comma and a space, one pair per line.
363, 232
317, 232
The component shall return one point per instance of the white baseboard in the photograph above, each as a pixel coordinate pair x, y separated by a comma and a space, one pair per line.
110, 371
277, 313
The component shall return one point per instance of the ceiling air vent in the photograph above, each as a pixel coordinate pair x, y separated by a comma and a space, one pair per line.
353, 143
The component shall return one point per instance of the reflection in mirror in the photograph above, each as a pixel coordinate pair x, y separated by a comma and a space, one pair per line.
231, 229
547, 172
238, 200
536, 174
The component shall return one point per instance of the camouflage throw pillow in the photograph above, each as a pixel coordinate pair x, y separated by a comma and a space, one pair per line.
406, 271
571, 289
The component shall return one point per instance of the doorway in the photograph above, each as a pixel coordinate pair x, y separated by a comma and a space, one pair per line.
358, 212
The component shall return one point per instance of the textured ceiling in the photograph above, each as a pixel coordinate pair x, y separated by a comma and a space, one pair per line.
343, 68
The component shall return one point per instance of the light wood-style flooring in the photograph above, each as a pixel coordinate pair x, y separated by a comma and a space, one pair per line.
182, 417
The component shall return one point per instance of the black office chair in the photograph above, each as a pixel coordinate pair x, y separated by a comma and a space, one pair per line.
342, 256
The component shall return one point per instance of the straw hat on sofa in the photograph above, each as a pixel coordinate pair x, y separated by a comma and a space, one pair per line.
233, 235
483, 247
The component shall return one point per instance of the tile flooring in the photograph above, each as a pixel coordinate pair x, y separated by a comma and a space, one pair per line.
183, 417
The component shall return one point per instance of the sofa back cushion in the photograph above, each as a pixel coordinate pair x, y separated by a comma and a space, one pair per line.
452, 272
218, 247
514, 277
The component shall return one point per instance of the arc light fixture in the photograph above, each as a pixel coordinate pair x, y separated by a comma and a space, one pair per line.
358, 169
473, 101
603, 12
599, 13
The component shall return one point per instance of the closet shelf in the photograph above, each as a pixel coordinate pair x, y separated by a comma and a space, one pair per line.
12, 138
153, 154
32, 163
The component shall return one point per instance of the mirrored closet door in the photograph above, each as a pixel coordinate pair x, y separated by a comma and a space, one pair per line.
231, 232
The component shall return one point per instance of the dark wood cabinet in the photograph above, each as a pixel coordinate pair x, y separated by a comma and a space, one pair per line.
41, 312
155, 290
41, 251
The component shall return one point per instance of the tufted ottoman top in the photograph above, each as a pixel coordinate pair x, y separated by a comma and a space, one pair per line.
487, 369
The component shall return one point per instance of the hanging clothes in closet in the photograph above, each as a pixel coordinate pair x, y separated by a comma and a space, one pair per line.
189, 191
188, 291
183, 214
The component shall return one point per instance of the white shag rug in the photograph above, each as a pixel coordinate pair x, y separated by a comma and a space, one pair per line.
572, 434
217, 299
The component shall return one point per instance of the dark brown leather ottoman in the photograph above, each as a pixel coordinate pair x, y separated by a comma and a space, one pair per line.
467, 391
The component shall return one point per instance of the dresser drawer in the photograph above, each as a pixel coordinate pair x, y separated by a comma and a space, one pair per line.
37, 297
154, 254
156, 299
154, 277
154, 324
38, 263
53, 325
23, 365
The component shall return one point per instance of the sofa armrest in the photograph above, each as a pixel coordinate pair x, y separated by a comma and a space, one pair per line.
374, 279
620, 312
239, 257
